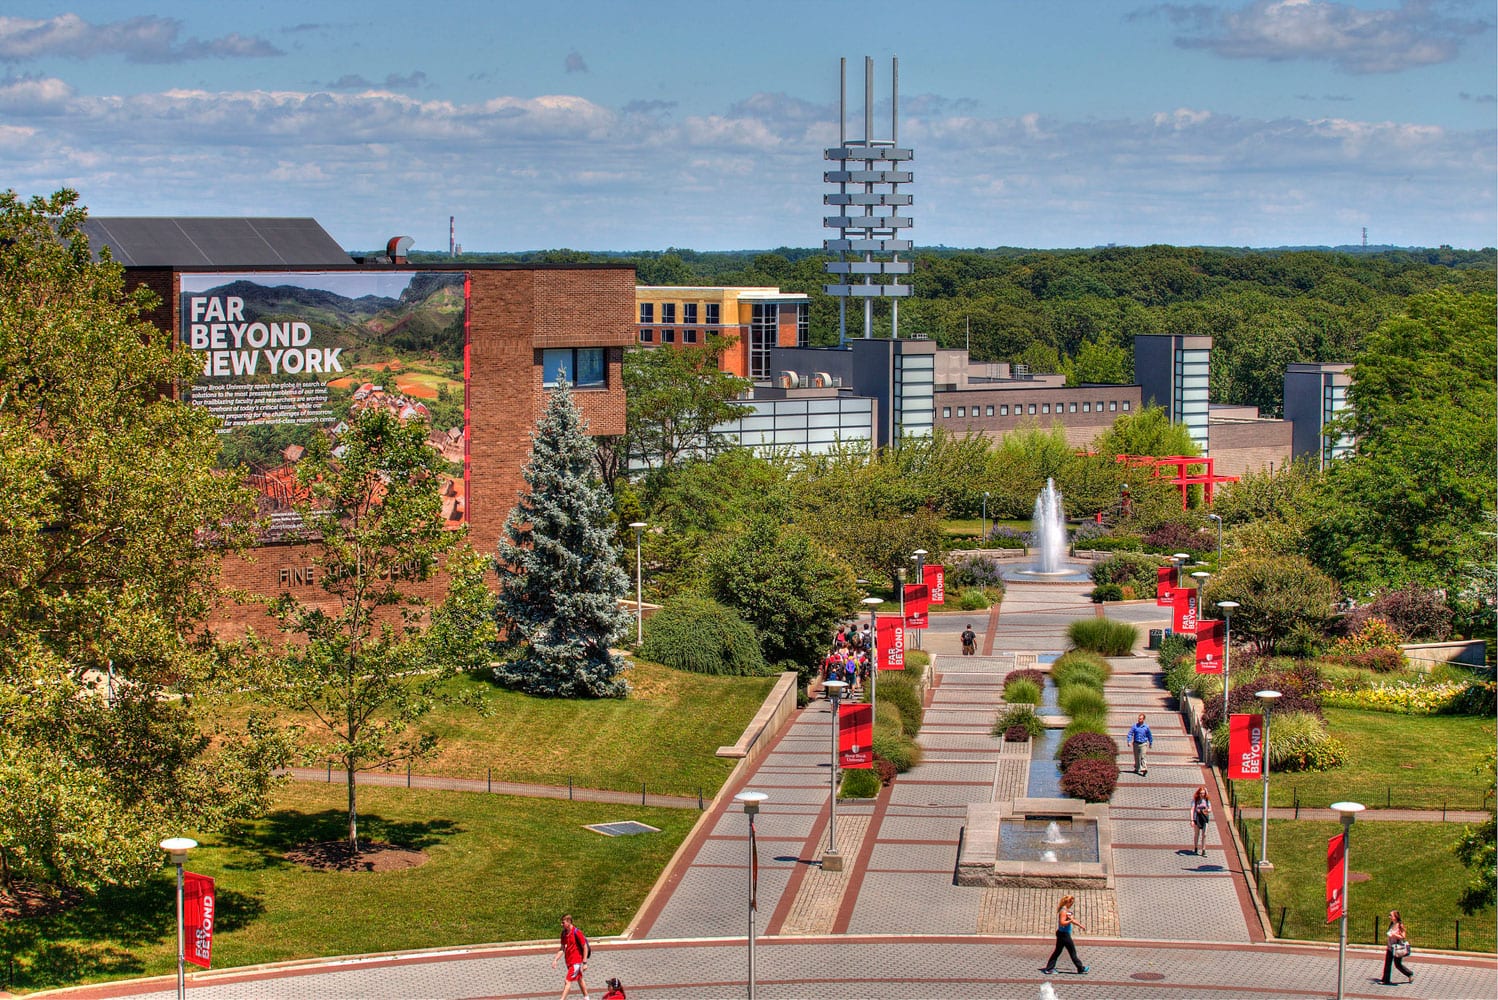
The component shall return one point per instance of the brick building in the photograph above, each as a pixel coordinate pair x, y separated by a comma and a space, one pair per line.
524, 324
759, 319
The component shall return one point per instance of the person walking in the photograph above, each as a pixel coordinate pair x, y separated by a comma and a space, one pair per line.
969, 641
1139, 735
1397, 949
1064, 924
1201, 815
575, 950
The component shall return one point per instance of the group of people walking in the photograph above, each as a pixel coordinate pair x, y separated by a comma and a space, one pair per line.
850, 658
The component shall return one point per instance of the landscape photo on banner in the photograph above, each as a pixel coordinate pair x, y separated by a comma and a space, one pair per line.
288, 356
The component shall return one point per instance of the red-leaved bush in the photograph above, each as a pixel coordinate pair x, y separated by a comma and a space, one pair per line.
1017, 734
1090, 780
1036, 677
1085, 746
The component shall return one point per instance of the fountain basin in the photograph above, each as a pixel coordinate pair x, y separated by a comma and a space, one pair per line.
985, 860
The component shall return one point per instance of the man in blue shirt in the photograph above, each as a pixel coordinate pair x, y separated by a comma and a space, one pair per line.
1139, 735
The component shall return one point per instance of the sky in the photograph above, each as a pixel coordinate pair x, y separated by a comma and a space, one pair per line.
650, 124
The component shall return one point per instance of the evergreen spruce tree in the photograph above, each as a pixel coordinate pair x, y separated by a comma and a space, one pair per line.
558, 565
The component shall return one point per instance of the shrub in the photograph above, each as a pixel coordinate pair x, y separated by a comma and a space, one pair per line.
1087, 745
1173, 537
1298, 741
700, 635
1018, 715
1132, 569
900, 750
1300, 692
1001, 536
1380, 661
1373, 633
1080, 665
1081, 699
1177, 649
885, 769
860, 783
1036, 677
1419, 698
1086, 724
1105, 592
1479, 698
1021, 691
1102, 635
1116, 543
1016, 734
971, 599
1421, 614
974, 571
1090, 780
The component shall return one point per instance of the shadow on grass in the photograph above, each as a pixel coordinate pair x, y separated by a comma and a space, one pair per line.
267, 840
103, 935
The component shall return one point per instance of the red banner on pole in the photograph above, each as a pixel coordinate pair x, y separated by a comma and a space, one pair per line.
1165, 585
1336, 861
917, 605
855, 736
1210, 637
197, 918
890, 641
1245, 747
1184, 603
935, 579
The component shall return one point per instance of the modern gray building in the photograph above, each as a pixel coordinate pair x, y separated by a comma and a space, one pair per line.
1173, 372
1315, 396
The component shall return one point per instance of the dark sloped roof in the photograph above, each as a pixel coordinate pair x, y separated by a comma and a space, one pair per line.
214, 242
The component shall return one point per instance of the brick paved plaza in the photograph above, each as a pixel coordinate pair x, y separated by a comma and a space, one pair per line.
893, 923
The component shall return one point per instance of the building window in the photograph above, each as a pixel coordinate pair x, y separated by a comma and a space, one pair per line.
668, 336
714, 316
646, 336
1071, 407
689, 336
1004, 409
582, 366
689, 312
1100, 406
962, 411
988, 410
1112, 406
1086, 407
803, 325
1126, 406
764, 319
668, 312
1045, 407
946, 411
1032, 409
647, 312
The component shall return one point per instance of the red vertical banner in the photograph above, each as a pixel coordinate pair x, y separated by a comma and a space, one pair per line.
1245, 747
935, 579
1210, 637
753, 866
890, 641
1184, 605
855, 736
1165, 585
917, 605
197, 918
1336, 863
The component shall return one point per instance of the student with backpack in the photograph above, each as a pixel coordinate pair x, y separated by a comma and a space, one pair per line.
575, 949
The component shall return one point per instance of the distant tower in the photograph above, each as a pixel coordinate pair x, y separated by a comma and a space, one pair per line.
868, 193
1365, 237
452, 246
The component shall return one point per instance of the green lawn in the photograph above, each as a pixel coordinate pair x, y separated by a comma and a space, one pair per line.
664, 734
500, 869
1410, 761
1412, 870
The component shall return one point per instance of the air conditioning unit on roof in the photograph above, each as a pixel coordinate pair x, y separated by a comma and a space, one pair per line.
789, 380
822, 380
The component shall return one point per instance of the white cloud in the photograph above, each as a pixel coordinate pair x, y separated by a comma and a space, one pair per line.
139, 39
1355, 40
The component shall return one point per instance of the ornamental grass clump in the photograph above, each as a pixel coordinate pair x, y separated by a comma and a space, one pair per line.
1103, 635
1036, 677
1298, 741
1090, 779
1022, 691
1081, 700
1087, 724
1018, 715
1076, 663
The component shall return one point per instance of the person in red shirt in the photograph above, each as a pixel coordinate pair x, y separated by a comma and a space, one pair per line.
574, 949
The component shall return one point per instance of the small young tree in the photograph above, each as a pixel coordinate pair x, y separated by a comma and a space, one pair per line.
1276, 595
559, 569
372, 660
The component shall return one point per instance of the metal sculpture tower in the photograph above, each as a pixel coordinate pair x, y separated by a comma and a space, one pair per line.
868, 199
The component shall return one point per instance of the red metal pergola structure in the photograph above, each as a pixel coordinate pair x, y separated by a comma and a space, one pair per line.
1184, 476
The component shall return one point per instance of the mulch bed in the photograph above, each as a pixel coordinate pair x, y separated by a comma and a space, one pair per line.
23, 900
372, 856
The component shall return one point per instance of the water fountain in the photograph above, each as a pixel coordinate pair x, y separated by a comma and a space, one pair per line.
1053, 834
1048, 539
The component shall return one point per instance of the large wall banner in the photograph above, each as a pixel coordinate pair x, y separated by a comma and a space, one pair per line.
287, 356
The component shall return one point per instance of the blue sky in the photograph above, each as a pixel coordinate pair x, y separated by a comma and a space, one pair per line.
650, 124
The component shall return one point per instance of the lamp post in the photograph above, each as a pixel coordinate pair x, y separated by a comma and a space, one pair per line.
639, 527
871, 603
1218, 519
1268, 698
919, 558
1227, 649
1348, 811
751, 802
831, 860
176, 849
983, 534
